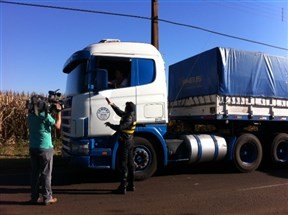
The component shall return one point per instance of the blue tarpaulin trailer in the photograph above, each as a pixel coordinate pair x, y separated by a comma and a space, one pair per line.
230, 83
227, 71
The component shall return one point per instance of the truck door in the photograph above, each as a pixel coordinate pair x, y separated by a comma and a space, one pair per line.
150, 91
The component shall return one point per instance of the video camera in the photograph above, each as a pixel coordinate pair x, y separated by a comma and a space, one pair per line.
38, 103
54, 98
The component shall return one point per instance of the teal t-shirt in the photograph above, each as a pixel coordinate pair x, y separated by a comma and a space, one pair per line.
40, 130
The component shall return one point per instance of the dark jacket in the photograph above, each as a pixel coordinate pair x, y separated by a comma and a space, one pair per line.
127, 124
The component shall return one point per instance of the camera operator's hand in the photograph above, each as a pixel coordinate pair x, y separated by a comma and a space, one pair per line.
108, 124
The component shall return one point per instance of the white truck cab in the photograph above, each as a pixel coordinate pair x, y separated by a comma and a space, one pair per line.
89, 73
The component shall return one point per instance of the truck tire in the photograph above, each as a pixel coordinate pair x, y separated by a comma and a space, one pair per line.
145, 159
247, 153
279, 148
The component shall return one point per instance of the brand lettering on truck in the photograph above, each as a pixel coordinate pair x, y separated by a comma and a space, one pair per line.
192, 80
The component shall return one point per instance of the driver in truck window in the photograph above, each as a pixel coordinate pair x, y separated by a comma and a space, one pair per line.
120, 80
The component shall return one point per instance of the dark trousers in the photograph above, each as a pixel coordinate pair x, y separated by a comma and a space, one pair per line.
41, 173
127, 168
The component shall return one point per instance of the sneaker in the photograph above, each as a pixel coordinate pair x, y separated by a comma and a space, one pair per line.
120, 190
50, 201
130, 188
35, 201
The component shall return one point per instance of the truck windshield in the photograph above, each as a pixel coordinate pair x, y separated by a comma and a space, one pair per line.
77, 81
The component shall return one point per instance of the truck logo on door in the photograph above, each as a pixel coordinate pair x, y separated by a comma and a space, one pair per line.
103, 113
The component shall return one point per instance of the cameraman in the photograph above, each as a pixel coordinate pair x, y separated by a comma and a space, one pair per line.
40, 124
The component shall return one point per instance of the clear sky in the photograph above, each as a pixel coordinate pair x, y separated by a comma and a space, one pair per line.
35, 42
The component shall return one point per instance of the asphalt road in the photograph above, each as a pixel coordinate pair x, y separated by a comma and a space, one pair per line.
202, 189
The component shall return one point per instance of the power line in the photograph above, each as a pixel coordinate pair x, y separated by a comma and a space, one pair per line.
75, 9
222, 34
142, 17
256, 8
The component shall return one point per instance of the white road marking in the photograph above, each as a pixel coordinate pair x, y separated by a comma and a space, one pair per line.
263, 187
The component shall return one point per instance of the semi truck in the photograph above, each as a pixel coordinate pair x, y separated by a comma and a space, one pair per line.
222, 104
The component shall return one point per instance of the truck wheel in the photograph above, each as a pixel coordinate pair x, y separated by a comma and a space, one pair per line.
279, 148
247, 153
145, 159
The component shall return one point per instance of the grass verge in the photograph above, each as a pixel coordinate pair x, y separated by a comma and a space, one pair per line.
20, 149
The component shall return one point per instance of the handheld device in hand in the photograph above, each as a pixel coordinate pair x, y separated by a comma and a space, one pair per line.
108, 100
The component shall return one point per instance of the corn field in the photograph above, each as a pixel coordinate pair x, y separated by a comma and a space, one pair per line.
13, 119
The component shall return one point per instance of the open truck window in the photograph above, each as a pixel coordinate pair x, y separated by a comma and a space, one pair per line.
118, 69
126, 72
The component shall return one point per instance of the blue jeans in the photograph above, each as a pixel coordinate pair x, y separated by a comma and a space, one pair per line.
41, 174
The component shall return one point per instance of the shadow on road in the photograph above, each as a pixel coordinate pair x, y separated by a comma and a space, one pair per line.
83, 191
16, 203
60, 191
276, 170
224, 167
55, 191
15, 179
17, 172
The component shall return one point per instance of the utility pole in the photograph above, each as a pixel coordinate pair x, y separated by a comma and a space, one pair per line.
154, 24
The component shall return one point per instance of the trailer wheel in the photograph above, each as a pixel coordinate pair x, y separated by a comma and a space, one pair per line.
145, 159
247, 153
279, 148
